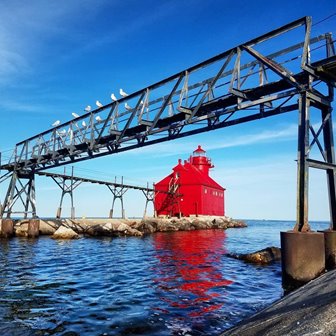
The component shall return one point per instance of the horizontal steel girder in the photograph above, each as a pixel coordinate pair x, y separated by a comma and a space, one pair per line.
222, 91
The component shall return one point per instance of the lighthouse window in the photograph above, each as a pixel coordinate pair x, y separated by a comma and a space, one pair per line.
205, 190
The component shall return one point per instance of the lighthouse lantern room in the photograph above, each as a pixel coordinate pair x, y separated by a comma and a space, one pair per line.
189, 190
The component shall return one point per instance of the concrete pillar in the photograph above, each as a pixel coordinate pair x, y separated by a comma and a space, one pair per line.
330, 249
7, 228
303, 257
33, 228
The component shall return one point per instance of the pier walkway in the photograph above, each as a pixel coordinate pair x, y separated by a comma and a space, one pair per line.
310, 310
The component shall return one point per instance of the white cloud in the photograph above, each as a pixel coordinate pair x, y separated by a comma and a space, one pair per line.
211, 142
26, 26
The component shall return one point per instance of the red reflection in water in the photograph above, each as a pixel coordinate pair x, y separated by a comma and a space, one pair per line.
188, 272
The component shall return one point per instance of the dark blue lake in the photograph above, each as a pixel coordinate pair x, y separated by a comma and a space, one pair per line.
178, 283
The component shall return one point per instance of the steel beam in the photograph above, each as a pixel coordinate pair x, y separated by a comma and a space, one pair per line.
302, 164
328, 138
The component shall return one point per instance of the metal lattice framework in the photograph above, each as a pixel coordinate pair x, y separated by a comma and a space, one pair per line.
258, 79
68, 183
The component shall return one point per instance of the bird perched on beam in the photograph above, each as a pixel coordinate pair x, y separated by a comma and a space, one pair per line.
56, 123
113, 97
123, 93
127, 107
99, 104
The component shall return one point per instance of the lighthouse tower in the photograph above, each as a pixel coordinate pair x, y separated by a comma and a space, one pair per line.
200, 161
189, 190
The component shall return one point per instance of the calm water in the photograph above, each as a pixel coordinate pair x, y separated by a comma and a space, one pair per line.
177, 283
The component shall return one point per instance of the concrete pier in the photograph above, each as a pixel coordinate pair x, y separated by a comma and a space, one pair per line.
303, 257
33, 228
127, 227
7, 228
310, 310
330, 249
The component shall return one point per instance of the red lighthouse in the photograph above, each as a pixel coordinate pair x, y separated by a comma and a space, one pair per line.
189, 190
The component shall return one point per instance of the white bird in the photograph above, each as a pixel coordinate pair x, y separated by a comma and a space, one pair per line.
56, 123
123, 93
83, 123
113, 97
87, 108
98, 118
62, 132
99, 104
141, 102
127, 107
75, 115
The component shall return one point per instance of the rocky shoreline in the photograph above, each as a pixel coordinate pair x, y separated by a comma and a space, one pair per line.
74, 228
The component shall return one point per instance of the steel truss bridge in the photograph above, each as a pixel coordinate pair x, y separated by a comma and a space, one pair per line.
264, 77
68, 183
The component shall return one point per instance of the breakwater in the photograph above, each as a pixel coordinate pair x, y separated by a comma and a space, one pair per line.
125, 227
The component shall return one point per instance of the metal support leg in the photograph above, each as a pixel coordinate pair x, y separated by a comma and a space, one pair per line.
67, 185
111, 211
302, 165
150, 195
118, 193
21, 188
30, 201
329, 151
8, 202
123, 214
59, 210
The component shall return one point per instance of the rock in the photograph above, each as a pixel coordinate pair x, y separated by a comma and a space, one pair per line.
200, 225
112, 229
64, 232
22, 229
146, 226
49, 227
128, 231
265, 256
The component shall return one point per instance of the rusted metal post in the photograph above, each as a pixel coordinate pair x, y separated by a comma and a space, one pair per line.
329, 152
302, 164
33, 228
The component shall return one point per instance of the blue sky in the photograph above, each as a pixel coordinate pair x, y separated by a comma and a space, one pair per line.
56, 57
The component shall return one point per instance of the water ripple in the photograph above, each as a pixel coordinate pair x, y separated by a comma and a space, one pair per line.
178, 283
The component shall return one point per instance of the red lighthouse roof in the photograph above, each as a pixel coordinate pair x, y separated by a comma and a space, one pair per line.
199, 151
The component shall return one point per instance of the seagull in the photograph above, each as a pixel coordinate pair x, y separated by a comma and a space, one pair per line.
98, 118
83, 123
75, 115
127, 107
123, 93
87, 108
99, 104
62, 132
56, 123
113, 97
